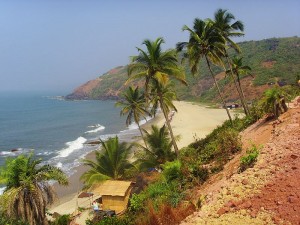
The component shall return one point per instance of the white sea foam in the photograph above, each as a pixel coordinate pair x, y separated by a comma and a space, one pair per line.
95, 126
59, 165
72, 146
6, 153
98, 128
134, 126
1, 190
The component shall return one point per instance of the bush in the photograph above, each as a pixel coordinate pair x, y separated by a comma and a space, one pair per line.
171, 170
225, 143
125, 220
136, 202
250, 158
4, 220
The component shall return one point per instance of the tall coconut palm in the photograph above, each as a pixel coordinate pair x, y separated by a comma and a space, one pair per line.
27, 190
134, 106
204, 42
237, 68
163, 96
159, 150
227, 29
156, 66
112, 162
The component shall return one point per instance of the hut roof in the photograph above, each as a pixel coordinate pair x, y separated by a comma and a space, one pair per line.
112, 188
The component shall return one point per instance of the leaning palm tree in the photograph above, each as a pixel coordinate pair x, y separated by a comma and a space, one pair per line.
163, 96
112, 162
204, 42
227, 29
155, 66
27, 190
134, 106
159, 150
237, 68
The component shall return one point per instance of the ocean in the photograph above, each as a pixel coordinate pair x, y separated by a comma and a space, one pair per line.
57, 130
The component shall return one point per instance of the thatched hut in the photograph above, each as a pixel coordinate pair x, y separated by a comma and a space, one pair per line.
115, 194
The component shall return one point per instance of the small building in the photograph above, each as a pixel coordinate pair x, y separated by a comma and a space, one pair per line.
115, 194
232, 105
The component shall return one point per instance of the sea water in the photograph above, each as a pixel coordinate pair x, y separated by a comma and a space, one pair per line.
57, 130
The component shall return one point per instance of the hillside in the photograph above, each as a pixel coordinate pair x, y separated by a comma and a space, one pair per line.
269, 192
272, 60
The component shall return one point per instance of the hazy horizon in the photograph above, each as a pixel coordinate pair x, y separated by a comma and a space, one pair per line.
54, 46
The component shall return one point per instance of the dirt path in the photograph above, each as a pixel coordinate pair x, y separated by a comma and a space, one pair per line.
268, 193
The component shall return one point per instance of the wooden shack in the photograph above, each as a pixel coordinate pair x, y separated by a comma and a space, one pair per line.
115, 194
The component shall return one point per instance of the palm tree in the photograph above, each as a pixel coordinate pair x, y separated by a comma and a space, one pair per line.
204, 41
27, 190
273, 101
134, 106
237, 68
160, 148
223, 23
163, 96
112, 162
156, 66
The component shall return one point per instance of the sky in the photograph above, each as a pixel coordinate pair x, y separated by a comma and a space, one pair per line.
57, 45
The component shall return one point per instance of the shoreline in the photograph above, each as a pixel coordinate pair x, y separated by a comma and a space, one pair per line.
191, 121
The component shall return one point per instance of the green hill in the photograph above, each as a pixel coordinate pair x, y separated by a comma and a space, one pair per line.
272, 60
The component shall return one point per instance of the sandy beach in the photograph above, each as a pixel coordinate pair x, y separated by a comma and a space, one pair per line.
190, 122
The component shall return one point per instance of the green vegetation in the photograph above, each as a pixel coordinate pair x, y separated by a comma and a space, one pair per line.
134, 106
112, 162
250, 158
159, 149
112, 221
167, 199
27, 190
62, 220
205, 42
4, 220
155, 67
283, 54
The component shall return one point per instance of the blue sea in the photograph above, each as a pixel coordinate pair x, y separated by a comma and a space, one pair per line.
57, 130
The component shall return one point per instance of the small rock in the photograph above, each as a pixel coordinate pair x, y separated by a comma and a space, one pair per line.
231, 204
253, 214
247, 205
245, 182
223, 210
292, 199
294, 156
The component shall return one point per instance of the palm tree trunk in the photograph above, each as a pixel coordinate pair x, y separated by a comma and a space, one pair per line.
240, 85
220, 94
239, 89
169, 125
142, 134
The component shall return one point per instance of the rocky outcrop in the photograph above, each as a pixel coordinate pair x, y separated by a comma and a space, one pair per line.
106, 87
84, 91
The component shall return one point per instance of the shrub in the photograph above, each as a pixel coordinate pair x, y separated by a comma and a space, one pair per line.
171, 170
62, 220
250, 158
4, 220
124, 220
136, 202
